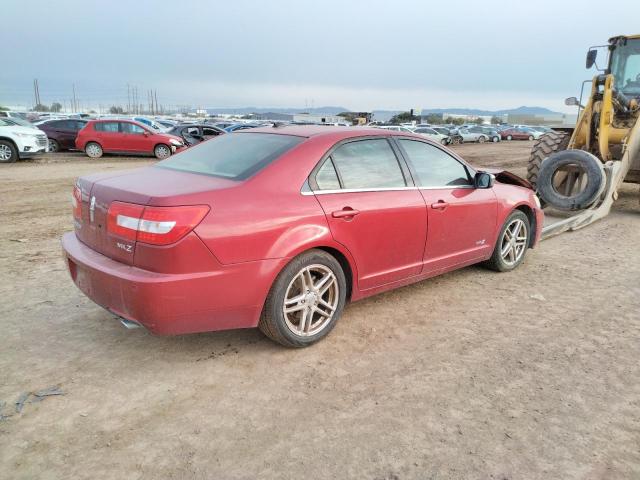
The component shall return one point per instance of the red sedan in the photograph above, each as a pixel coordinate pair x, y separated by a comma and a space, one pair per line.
127, 137
516, 134
279, 227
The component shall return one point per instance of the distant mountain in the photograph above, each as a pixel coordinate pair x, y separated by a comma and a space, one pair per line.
247, 110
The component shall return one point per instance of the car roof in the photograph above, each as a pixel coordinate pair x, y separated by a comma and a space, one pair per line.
309, 131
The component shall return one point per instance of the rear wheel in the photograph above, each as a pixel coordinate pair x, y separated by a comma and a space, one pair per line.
54, 146
531, 137
93, 150
509, 137
305, 301
444, 141
8, 152
512, 243
162, 151
495, 139
546, 145
481, 139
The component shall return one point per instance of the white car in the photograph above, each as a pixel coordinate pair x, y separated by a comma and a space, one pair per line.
434, 135
17, 141
468, 136
396, 128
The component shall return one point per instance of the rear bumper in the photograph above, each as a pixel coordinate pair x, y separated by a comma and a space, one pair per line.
172, 304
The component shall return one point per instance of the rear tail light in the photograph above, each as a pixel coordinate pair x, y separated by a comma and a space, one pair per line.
76, 202
153, 225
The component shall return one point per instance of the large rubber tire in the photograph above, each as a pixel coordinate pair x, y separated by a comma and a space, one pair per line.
546, 145
272, 322
9, 152
497, 262
588, 163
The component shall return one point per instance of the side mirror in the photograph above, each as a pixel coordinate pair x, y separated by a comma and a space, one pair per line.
572, 102
591, 58
484, 180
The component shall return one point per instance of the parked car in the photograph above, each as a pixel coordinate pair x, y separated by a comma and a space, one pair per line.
18, 141
517, 134
193, 134
149, 122
453, 134
491, 133
396, 128
11, 114
125, 136
279, 228
434, 135
62, 133
468, 136
241, 126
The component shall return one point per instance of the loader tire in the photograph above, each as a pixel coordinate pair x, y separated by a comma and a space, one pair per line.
547, 144
587, 164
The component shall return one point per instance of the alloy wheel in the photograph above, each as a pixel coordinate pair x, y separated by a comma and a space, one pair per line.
5, 153
514, 242
94, 150
311, 300
162, 151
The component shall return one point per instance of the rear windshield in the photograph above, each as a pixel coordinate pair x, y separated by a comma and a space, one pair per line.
236, 156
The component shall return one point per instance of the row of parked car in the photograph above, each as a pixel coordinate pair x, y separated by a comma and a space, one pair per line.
20, 138
449, 134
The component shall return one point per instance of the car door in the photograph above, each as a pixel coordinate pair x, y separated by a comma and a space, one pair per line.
135, 138
372, 209
461, 218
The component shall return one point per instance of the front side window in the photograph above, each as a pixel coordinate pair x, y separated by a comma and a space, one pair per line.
434, 167
368, 164
235, 157
111, 127
132, 128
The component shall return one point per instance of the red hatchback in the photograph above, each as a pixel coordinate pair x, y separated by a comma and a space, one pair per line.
516, 134
127, 137
280, 227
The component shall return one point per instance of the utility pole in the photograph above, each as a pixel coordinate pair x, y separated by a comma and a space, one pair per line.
128, 99
155, 96
36, 91
75, 100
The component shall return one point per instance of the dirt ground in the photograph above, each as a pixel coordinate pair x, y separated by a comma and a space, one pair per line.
532, 374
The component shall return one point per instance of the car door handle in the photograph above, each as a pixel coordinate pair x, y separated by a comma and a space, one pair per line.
439, 205
346, 212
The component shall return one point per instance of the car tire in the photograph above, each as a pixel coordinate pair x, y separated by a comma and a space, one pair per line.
531, 138
162, 151
8, 152
444, 141
507, 253
93, 150
54, 146
589, 165
291, 315
481, 139
495, 139
509, 137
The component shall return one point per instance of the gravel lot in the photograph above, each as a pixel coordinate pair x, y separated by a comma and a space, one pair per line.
527, 375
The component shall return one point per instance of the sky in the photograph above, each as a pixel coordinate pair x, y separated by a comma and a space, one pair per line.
361, 55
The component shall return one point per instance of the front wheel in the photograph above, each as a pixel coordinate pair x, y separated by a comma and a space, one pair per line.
8, 152
305, 301
531, 137
162, 151
495, 139
509, 137
444, 141
481, 140
512, 243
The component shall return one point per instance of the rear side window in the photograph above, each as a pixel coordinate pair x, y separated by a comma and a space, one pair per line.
235, 156
435, 167
368, 164
106, 126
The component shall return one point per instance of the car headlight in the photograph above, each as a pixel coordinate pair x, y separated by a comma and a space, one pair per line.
175, 142
537, 200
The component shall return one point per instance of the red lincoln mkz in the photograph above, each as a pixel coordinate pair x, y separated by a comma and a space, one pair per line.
280, 227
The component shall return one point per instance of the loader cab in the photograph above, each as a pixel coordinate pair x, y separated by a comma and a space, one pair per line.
624, 64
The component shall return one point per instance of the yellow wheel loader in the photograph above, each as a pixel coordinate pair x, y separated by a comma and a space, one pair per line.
577, 171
